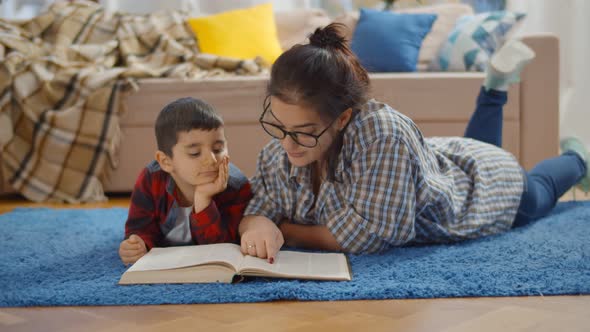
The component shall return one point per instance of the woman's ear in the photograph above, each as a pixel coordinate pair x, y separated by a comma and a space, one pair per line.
344, 118
164, 161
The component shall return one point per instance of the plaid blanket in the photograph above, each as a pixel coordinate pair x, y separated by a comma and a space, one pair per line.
62, 78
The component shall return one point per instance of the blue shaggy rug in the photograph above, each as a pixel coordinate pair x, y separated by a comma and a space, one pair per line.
68, 257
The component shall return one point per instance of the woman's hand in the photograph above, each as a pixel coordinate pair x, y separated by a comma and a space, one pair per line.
260, 237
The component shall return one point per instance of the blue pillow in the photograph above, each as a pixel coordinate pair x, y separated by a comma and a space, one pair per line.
389, 42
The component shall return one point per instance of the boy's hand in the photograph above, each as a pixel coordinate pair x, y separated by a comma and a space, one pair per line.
132, 249
204, 192
260, 237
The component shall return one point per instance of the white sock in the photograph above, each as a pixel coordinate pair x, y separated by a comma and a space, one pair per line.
506, 65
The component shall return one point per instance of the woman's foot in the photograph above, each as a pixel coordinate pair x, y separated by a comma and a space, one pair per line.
506, 64
575, 145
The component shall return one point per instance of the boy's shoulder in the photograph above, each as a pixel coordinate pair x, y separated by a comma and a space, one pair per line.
154, 171
153, 167
237, 178
238, 188
152, 178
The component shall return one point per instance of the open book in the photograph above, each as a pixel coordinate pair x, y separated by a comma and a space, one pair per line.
224, 261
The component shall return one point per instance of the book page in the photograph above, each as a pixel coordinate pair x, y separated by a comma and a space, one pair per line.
183, 256
302, 265
192, 274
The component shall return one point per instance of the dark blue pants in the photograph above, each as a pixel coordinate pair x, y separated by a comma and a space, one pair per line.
547, 181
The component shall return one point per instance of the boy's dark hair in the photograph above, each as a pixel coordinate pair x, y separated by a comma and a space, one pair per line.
323, 75
183, 115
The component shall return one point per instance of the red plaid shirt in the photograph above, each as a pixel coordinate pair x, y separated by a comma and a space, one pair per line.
154, 207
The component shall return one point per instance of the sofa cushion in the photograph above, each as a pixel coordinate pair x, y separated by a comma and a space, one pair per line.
390, 42
295, 26
447, 16
473, 40
349, 19
242, 33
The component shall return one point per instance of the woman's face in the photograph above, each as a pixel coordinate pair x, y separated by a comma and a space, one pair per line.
294, 118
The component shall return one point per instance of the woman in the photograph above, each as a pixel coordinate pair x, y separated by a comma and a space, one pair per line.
345, 173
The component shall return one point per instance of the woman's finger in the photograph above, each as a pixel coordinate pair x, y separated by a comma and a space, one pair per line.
261, 249
271, 250
244, 245
251, 248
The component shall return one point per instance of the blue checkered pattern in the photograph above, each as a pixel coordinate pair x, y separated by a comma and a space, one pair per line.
394, 187
473, 40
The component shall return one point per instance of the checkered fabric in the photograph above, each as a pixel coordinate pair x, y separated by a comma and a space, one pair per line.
473, 40
62, 74
394, 187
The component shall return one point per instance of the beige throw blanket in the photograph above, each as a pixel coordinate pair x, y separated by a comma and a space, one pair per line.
62, 78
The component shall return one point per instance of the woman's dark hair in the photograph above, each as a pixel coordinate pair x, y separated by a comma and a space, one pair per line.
184, 114
323, 75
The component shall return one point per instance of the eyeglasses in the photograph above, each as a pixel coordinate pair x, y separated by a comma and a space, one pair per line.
303, 139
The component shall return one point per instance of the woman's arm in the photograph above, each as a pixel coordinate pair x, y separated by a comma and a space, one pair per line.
377, 211
316, 237
260, 236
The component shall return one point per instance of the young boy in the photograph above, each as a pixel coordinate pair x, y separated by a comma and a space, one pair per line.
190, 194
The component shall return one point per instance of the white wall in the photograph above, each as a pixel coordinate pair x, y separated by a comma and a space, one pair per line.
23, 9
148, 6
568, 19
199, 6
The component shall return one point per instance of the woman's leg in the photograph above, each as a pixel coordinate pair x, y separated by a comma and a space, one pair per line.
485, 124
546, 183
504, 69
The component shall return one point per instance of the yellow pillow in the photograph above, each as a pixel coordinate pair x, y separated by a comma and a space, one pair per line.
243, 33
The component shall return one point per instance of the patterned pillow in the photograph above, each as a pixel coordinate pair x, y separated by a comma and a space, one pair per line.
473, 40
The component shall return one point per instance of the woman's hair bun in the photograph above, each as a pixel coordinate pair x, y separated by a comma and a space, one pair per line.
330, 36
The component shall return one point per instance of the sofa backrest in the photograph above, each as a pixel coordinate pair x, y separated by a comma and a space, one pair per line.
293, 27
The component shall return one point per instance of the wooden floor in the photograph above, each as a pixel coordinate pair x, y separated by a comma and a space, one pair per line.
541, 313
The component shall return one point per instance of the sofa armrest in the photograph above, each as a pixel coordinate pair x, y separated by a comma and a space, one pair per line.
539, 88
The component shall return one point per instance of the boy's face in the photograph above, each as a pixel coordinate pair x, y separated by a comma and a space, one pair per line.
196, 157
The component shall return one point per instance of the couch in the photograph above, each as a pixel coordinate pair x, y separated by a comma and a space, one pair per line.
440, 103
